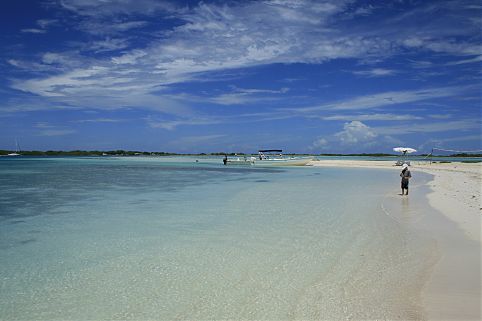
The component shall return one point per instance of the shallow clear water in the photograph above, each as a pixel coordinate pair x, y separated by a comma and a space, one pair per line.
146, 238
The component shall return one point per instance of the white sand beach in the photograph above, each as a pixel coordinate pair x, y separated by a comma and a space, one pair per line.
453, 291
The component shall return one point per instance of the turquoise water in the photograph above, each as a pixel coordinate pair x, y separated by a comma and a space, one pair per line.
151, 238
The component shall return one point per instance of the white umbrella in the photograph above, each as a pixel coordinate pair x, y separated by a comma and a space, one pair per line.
404, 150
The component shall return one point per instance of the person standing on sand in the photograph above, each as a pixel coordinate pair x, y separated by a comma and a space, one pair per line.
405, 175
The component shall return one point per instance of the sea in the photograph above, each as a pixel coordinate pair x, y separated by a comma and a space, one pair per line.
163, 238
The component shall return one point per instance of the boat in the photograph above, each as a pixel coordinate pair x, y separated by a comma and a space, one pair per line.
17, 150
275, 157
244, 160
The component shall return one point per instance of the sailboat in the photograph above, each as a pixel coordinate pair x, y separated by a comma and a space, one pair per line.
17, 150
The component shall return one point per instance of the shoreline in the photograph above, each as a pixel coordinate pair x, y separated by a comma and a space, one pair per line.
453, 289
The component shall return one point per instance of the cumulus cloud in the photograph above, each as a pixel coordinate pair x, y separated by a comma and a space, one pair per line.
319, 143
355, 132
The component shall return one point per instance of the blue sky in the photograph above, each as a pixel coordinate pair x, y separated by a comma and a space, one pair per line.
237, 76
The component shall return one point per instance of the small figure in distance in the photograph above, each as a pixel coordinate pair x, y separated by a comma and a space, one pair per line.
225, 159
405, 175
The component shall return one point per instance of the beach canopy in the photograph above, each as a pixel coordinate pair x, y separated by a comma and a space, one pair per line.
404, 150
270, 150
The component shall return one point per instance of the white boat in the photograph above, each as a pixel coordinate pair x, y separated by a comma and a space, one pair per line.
274, 157
244, 160
17, 150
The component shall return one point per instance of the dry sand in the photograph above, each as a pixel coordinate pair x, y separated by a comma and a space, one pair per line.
454, 289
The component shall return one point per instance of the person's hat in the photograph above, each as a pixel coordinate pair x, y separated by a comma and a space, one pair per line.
404, 166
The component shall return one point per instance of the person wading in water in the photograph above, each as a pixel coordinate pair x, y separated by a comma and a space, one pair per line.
405, 175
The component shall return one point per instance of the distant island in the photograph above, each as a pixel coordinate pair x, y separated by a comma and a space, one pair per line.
121, 152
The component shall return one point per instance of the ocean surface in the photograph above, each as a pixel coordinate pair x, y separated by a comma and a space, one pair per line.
172, 238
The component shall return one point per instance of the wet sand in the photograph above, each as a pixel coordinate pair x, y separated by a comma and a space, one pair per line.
453, 291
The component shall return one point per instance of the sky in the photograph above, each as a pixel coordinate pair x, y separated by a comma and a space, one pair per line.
335, 76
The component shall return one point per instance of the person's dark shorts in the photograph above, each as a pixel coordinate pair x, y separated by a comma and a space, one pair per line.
405, 183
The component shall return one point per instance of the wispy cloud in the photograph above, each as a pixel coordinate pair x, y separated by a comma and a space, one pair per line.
465, 61
99, 120
56, 132
386, 99
211, 37
107, 44
240, 96
373, 117
172, 124
33, 30
94, 8
46, 129
129, 58
430, 127
43, 25
375, 72
107, 28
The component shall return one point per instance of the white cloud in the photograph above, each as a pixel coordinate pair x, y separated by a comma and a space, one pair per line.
62, 60
387, 99
441, 116
129, 58
211, 38
102, 28
56, 132
244, 96
45, 23
55, 85
99, 120
465, 61
430, 127
367, 117
96, 8
172, 124
355, 132
47, 129
108, 44
194, 140
33, 30
319, 143
375, 72
15, 63
421, 64
446, 142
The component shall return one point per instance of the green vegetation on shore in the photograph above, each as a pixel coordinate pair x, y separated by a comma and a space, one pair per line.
121, 152
86, 153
